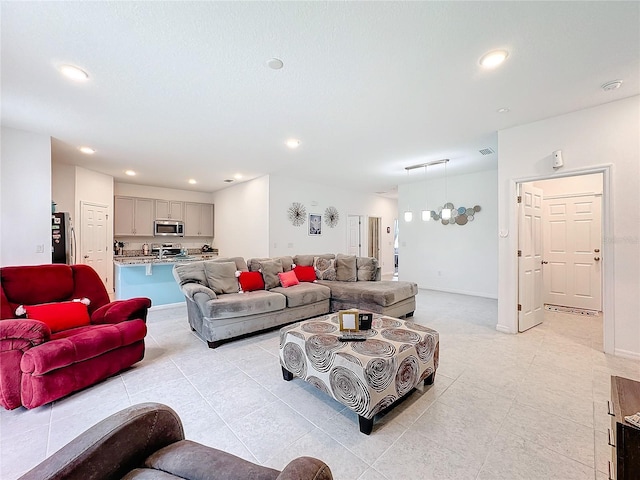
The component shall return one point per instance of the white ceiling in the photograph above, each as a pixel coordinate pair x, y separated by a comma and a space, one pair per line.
181, 90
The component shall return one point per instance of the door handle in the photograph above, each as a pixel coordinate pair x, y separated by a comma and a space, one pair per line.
544, 262
597, 259
86, 256
596, 250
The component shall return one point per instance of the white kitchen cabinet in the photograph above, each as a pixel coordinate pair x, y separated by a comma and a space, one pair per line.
198, 220
133, 216
169, 209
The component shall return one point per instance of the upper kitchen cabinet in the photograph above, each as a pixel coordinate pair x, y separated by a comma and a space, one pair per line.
198, 220
133, 216
169, 209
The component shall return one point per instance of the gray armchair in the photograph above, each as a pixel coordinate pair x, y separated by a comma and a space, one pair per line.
145, 442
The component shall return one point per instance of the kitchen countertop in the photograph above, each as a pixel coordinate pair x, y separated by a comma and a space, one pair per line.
152, 259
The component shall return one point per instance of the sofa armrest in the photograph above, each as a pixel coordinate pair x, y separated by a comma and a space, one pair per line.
306, 468
113, 447
20, 334
121, 310
198, 293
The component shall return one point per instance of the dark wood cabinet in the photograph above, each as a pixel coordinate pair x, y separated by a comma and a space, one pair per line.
624, 438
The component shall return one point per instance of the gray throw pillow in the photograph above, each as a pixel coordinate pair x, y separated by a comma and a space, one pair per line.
221, 277
325, 269
270, 270
346, 268
254, 263
190, 273
367, 268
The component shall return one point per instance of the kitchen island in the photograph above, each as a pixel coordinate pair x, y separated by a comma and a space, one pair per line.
148, 276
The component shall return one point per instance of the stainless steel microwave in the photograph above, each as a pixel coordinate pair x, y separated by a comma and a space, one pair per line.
168, 228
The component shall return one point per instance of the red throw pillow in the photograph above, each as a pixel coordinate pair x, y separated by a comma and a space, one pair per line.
60, 316
305, 274
288, 279
250, 281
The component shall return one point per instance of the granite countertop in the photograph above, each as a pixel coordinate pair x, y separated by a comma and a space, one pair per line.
145, 259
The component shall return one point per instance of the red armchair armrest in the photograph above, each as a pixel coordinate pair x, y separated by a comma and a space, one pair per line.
18, 334
121, 310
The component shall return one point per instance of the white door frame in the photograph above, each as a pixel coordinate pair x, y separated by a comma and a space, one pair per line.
608, 283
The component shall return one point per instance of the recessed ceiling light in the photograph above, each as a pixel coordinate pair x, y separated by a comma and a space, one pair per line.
238, 176
192, 181
494, 58
87, 150
613, 85
131, 173
503, 110
275, 64
293, 143
74, 73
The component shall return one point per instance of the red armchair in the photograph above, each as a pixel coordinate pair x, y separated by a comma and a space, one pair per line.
37, 365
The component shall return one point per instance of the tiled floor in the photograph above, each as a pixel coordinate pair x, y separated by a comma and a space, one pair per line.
528, 406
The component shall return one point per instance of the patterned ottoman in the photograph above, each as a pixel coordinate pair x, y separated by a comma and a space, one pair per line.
368, 377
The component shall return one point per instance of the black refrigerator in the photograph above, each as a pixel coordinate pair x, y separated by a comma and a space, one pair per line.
62, 238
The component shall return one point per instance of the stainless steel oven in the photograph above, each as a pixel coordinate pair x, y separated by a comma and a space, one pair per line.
168, 228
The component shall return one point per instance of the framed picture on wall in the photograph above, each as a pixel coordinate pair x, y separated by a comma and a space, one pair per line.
315, 224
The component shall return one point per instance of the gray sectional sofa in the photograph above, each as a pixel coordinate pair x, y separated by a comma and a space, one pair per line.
218, 310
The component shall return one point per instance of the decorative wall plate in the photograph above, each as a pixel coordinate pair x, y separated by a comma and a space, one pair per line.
331, 216
297, 214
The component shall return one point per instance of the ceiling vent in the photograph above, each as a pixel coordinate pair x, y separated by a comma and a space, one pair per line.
486, 151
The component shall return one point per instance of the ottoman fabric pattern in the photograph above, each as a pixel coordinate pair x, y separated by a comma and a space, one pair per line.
365, 376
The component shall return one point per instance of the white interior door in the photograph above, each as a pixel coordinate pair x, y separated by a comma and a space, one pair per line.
93, 239
530, 281
353, 231
572, 251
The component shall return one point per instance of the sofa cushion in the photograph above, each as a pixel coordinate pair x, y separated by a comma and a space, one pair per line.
254, 263
59, 316
382, 293
305, 273
270, 270
346, 268
241, 264
251, 281
325, 268
307, 260
304, 294
236, 305
88, 343
191, 273
367, 268
36, 284
221, 277
288, 279
286, 260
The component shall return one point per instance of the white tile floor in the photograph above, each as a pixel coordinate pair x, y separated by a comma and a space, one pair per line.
528, 406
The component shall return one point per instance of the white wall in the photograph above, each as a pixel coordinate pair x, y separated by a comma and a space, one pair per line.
286, 239
63, 187
25, 198
459, 258
590, 138
134, 190
579, 184
242, 219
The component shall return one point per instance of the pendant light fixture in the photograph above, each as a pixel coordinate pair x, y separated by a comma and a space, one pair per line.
426, 214
446, 211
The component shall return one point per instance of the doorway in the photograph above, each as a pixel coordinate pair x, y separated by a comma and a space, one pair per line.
94, 239
374, 237
560, 261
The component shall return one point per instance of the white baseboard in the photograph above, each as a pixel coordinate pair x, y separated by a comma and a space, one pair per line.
626, 354
167, 306
461, 292
503, 329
